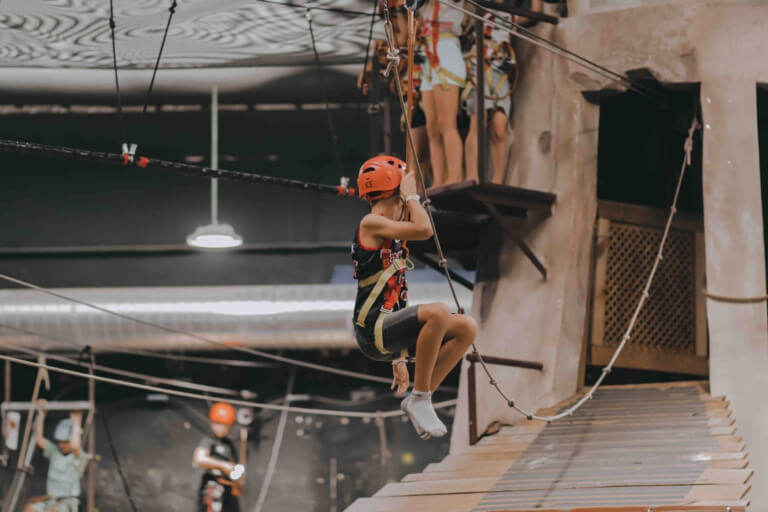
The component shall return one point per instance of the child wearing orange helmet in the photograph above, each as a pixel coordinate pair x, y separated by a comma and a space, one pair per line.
385, 326
217, 455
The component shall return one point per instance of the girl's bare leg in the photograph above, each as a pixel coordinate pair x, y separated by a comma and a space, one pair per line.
499, 145
446, 100
461, 331
470, 149
436, 151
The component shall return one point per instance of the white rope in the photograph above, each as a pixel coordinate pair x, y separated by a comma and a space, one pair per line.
133, 375
204, 398
687, 147
272, 466
266, 355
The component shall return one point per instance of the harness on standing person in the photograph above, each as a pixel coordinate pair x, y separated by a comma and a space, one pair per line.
434, 36
498, 56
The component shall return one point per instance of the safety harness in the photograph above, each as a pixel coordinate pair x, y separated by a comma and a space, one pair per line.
494, 51
384, 281
434, 59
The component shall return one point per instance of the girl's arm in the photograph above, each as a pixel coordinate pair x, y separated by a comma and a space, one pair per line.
417, 227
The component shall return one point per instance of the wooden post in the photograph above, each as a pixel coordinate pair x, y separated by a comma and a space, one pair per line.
7, 398
480, 98
91, 491
472, 402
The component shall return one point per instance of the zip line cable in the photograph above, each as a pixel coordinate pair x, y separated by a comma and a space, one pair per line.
260, 353
125, 373
530, 33
171, 11
117, 81
204, 398
324, 90
337, 10
394, 56
274, 454
142, 162
557, 50
117, 462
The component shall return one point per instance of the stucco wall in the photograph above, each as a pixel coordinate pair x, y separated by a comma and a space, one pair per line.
720, 44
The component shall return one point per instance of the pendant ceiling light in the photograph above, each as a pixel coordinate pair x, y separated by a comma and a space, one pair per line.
215, 235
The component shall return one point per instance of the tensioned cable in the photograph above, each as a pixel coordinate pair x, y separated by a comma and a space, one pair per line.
204, 398
117, 462
266, 355
394, 55
324, 90
68, 153
125, 373
544, 40
171, 11
274, 454
566, 54
338, 10
117, 81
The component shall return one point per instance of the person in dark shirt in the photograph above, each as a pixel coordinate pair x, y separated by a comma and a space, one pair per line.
217, 455
385, 326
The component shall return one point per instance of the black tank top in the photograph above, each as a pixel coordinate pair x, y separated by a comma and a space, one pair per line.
370, 260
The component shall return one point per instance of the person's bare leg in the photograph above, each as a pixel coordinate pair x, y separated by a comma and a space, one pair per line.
436, 152
462, 331
447, 105
418, 405
421, 141
470, 149
499, 145
434, 320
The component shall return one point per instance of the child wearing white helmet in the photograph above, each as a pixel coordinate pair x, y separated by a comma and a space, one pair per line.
67, 463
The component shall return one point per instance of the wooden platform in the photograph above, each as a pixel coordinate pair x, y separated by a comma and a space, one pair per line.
464, 211
669, 447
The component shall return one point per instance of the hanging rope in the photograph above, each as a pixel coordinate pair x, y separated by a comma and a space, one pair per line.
394, 56
171, 11
206, 398
343, 180
735, 300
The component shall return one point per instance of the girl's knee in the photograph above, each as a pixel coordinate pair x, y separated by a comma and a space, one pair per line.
435, 312
470, 328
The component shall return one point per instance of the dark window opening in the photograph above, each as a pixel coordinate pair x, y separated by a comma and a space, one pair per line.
762, 141
640, 149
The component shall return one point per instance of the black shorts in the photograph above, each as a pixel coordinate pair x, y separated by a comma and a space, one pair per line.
399, 330
418, 118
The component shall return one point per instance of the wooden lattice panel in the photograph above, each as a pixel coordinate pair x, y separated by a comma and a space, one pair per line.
667, 322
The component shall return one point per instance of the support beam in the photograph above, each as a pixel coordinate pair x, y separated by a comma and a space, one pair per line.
79, 405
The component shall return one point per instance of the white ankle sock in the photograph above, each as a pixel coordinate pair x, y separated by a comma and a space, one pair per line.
419, 407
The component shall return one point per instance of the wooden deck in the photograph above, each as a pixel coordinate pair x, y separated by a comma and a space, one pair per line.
670, 447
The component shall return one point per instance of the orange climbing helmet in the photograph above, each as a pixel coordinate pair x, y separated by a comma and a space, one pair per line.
379, 177
222, 413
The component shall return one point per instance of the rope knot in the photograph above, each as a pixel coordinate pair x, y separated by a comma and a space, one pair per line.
511, 403
529, 417
112, 24
173, 6
606, 370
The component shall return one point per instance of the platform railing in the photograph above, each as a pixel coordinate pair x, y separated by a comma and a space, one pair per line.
472, 385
